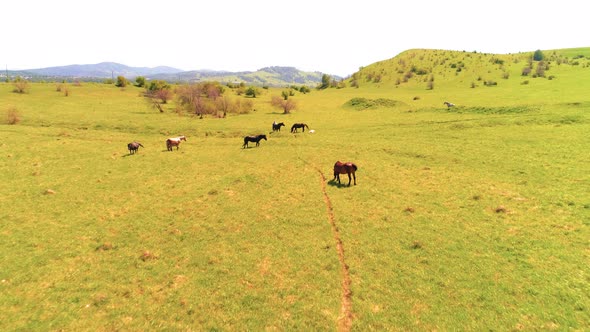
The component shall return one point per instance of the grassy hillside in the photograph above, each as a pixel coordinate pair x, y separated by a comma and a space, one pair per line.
470, 218
467, 77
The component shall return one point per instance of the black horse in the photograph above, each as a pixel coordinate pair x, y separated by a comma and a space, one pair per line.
256, 139
133, 147
298, 125
277, 126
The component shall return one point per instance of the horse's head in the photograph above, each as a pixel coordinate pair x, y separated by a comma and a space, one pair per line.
263, 136
183, 138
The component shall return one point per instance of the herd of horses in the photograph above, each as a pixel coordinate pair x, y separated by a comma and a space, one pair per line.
348, 168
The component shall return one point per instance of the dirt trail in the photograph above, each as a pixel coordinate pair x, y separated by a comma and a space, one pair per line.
345, 317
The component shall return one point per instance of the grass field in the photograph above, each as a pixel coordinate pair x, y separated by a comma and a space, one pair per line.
470, 218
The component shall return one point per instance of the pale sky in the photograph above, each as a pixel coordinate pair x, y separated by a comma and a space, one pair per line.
330, 36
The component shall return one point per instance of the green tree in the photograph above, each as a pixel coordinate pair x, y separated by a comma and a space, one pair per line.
252, 92
140, 81
538, 55
326, 79
121, 82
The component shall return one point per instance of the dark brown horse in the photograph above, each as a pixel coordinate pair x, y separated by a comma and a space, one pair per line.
133, 147
277, 126
344, 168
256, 139
299, 125
174, 141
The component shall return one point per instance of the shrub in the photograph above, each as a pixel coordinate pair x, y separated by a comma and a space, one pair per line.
140, 81
20, 85
526, 71
252, 92
121, 82
12, 116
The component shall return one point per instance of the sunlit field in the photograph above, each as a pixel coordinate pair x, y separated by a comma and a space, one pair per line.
475, 217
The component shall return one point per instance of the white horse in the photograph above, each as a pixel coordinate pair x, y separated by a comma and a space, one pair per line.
449, 105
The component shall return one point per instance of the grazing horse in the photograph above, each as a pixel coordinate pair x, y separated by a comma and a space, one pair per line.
174, 141
449, 105
344, 168
133, 147
299, 125
277, 126
256, 139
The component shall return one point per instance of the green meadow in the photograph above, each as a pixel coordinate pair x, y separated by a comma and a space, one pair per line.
475, 217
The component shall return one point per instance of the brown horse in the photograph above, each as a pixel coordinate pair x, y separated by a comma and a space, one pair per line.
344, 168
174, 141
133, 147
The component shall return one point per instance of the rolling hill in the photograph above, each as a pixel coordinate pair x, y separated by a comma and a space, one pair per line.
427, 68
270, 76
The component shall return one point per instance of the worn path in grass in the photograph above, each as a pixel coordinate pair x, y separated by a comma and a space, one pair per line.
345, 318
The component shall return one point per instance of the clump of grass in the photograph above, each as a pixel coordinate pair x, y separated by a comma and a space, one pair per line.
409, 209
501, 209
147, 256
105, 246
416, 245
365, 103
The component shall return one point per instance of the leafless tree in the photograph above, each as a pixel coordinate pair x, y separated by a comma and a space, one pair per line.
286, 105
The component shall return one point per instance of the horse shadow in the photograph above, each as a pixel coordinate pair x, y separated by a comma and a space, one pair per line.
334, 183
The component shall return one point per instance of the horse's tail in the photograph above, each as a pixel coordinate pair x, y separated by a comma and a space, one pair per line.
140, 144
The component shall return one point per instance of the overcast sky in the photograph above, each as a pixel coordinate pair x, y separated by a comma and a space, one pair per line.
330, 36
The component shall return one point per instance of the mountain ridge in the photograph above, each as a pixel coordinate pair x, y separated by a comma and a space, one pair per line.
272, 75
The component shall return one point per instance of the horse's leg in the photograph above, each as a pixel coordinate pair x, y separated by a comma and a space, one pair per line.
349, 179
354, 176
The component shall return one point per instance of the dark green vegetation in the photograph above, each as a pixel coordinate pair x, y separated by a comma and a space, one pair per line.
470, 218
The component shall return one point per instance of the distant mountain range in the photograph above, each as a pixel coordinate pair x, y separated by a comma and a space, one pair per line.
271, 76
